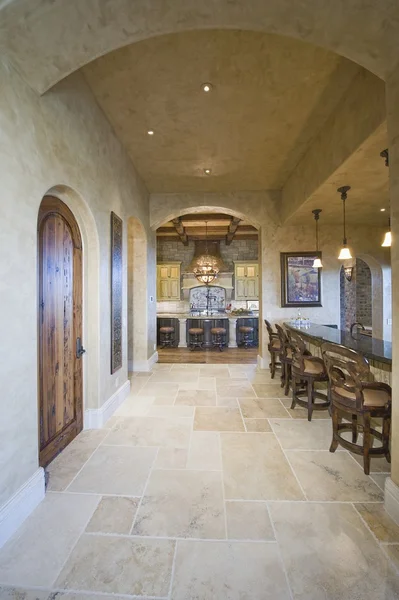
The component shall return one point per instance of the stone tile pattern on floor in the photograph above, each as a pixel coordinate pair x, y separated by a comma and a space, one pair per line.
205, 484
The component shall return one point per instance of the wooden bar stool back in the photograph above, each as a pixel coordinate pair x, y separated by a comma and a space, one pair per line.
286, 355
274, 348
353, 391
306, 371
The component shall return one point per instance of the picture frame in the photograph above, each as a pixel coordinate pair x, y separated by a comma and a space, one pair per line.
253, 305
116, 292
300, 282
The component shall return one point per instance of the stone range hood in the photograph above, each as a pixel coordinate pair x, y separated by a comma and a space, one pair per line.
224, 278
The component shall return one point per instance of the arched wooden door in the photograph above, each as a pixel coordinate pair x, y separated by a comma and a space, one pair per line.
60, 328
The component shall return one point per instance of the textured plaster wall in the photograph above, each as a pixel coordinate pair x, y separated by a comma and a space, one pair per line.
393, 134
61, 139
260, 208
353, 121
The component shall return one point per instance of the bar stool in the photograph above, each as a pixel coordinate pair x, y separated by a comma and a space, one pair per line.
167, 336
195, 337
219, 337
247, 336
306, 371
354, 391
274, 348
286, 354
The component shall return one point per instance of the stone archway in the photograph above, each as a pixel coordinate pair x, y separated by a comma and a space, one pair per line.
168, 211
91, 295
140, 353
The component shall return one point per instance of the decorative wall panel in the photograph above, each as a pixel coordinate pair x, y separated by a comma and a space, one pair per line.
116, 291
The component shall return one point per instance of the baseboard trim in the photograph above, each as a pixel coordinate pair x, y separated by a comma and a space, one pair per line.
14, 512
263, 363
143, 365
392, 499
96, 418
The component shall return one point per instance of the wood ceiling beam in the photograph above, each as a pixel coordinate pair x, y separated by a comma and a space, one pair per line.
180, 231
232, 229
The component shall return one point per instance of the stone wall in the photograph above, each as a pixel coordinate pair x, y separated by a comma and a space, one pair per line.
237, 250
363, 293
356, 296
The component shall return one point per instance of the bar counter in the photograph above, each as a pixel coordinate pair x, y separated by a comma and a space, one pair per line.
378, 352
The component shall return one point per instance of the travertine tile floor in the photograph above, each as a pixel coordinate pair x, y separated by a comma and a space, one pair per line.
206, 486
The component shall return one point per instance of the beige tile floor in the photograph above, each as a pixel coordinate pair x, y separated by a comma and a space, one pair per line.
205, 485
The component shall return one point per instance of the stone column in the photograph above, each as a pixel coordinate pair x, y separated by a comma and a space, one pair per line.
392, 95
182, 332
232, 333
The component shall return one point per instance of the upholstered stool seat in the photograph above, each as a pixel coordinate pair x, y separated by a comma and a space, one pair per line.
195, 337
247, 336
355, 393
218, 335
167, 336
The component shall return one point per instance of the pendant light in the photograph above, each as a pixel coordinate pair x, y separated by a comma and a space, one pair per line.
317, 264
206, 267
388, 237
345, 253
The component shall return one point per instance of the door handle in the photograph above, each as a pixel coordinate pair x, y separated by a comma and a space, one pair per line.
79, 348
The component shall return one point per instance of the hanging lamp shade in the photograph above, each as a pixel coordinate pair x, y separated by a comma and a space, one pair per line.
317, 264
345, 253
387, 239
206, 264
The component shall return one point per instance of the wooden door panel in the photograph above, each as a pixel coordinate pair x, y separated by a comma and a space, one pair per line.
60, 323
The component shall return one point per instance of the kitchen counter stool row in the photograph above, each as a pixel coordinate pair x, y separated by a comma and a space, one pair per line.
356, 402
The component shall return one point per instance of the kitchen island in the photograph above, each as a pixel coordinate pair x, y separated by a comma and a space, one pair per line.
182, 322
378, 352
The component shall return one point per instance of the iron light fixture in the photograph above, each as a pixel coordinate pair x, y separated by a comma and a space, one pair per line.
388, 236
345, 253
206, 267
317, 264
348, 271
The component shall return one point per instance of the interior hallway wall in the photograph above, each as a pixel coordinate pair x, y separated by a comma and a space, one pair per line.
260, 209
60, 139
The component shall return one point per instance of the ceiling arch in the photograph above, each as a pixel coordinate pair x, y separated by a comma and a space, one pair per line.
67, 34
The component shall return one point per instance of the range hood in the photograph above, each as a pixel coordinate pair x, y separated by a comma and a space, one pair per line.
211, 248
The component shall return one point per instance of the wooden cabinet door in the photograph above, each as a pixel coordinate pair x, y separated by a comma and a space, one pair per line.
60, 325
251, 291
163, 289
252, 271
174, 289
240, 289
163, 272
240, 271
174, 272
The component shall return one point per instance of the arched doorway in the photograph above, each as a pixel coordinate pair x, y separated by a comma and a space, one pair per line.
356, 296
60, 328
139, 334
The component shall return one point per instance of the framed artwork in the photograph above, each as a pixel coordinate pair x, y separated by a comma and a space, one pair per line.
116, 291
300, 282
253, 305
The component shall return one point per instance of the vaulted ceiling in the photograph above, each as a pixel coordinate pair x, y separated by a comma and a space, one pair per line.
271, 95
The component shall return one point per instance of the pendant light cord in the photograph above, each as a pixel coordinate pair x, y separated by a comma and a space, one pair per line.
343, 200
206, 237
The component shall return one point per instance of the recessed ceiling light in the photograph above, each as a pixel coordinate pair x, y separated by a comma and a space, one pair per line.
207, 171
382, 209
150, 132
206, 87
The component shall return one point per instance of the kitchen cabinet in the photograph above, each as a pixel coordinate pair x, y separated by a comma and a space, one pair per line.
246, 280
168, 281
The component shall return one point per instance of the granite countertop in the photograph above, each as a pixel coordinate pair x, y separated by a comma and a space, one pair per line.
216, 316
372, 348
